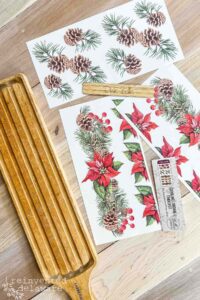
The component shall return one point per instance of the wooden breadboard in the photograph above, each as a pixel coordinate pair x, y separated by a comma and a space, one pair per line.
123, 90
49, 215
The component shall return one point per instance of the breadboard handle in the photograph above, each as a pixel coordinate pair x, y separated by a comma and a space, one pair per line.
78, 289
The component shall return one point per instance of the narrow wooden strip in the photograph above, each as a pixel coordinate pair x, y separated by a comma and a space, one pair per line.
22, 215
118, 90
26, 202
43, 181
32, 185
55, 174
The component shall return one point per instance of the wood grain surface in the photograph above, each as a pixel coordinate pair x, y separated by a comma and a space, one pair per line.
127, 269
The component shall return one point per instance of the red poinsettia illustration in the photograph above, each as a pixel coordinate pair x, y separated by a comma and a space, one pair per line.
195, 182
126, 126
168, 151
191, 129
150, 209
101, 169
139, 165
142, 122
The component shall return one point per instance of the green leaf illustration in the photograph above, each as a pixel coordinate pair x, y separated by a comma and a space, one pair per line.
118, 101
133, 147
159, 149
184, 139
99, 189
150, 220
117, 114
128, 154
127, 134
189, 183
117, 165
129, 116
138, 177
139, 197
144, 190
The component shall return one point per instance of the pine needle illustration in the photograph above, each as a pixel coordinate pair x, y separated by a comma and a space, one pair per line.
121, 27
151, 12
57, 88
82, 67
122, 63
82, 40
157, 46
52, 55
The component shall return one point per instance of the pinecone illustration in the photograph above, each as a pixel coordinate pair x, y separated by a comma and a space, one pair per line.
52, 81
103, 152
150, 37
181, 120
80, 64
166, 88
84, 121
73, 36
110, 221
128, 37
59, 63
114, 185
132, 64
156, 19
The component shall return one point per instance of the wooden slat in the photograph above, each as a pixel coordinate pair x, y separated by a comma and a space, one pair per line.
40, 193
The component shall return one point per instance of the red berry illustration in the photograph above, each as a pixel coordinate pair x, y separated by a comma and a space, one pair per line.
125, 222
107, 121
148, 100
120, 230
131, 218
129, 210
104, 114
155, 94
153, 107
132, 225
109, 129
156, 100
123, 227
100, 121
90, 115
156, 89
158, 112
96, 117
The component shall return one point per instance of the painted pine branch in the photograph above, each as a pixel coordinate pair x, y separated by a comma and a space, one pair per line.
116, 58
151, 12
113, 25
91, 40
174, 101
143, 9
122, 63
165, 49
82, 40
43, 51
57, 88
93, 74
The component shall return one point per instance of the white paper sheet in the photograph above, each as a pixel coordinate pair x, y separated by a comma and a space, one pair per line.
113, 46
178, 126
118, 205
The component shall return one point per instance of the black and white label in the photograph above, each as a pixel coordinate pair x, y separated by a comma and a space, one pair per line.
168, 194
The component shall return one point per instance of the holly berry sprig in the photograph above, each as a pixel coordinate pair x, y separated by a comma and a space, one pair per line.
128, 220
103, 120
155, 103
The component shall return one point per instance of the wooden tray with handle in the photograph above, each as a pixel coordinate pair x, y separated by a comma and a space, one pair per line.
49, 215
